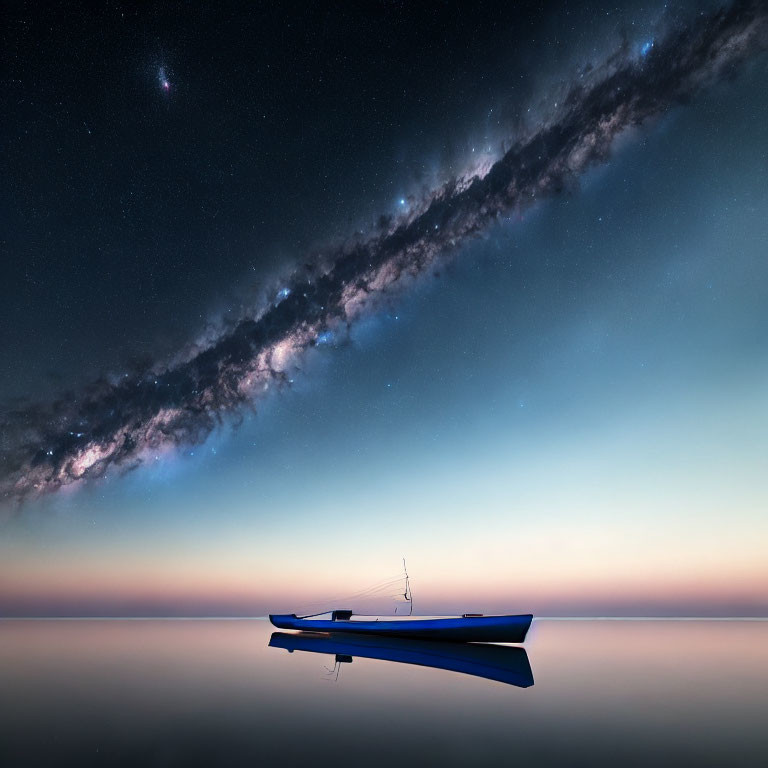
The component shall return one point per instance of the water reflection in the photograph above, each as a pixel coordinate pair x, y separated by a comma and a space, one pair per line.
213, 693
493, 662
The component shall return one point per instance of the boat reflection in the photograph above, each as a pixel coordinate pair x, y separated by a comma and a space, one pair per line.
502, 663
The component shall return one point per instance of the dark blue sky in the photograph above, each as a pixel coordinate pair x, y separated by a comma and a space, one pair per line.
570, 412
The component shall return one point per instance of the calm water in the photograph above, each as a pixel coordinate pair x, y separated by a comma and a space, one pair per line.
162, 693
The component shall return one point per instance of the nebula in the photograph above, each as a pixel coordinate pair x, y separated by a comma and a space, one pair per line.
119, 421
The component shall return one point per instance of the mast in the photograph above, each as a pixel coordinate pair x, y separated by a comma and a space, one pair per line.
408, 595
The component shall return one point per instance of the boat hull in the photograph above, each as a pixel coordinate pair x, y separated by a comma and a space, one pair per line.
493, 662
472, 629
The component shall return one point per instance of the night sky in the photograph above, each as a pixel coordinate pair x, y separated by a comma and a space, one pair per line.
291, 292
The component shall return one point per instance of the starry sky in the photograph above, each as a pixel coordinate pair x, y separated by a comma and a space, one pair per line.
289, 294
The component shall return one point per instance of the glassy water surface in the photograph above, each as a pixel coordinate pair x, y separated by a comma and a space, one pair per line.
199, 692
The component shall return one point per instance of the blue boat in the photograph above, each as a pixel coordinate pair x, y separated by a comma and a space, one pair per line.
469, 628
493, 662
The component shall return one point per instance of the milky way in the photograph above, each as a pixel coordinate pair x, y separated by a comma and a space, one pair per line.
119, 422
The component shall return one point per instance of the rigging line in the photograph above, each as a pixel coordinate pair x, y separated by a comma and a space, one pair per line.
378, 585
383, 582
372, 593
363, 593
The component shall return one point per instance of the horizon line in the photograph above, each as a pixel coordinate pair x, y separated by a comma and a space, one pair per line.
265, 618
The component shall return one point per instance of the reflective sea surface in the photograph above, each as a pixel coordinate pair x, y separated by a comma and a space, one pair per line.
214, 692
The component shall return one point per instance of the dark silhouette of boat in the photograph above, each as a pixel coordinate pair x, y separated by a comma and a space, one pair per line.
493, 662
469, 628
